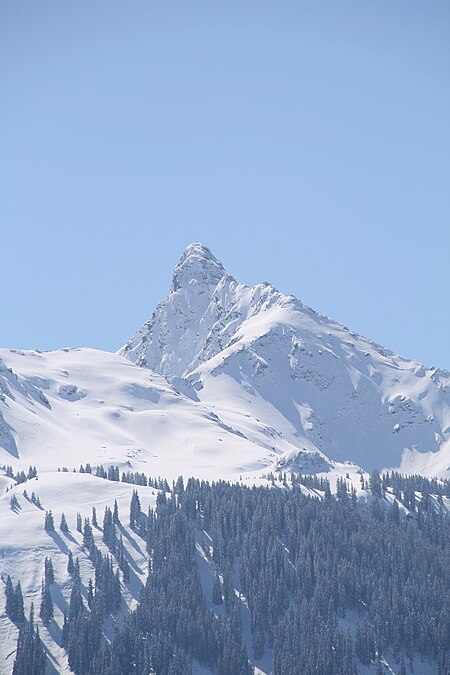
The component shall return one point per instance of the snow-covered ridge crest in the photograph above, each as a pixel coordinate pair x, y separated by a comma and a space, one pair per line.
265, 360
199, 317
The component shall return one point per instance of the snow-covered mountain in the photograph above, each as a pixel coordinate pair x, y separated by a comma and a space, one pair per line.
277, 372
226, 381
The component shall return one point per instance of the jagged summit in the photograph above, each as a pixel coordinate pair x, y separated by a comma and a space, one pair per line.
201, 314
279, 372
197, 268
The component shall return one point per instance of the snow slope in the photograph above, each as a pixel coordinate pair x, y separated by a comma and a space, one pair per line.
24, 545
74, 406
279, 372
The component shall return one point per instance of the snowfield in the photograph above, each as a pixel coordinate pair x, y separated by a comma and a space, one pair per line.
73, 406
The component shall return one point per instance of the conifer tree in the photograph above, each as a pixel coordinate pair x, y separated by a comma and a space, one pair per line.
46, 609
88, 537
125, 571
63, 526
19, 614
217, 591
375, 484
76, 606
10, 607
30, 654
49, 524
76, 571
70, 565
90, 596
395, 512
135, 509
109, 533
49, 574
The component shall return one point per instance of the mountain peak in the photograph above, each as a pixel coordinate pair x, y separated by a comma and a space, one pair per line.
196, 269
197, 250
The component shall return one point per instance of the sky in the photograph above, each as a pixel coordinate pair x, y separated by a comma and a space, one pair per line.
306, 143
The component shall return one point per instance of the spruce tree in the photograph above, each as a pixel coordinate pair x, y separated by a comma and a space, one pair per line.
10, 607
90, 596
49, 524
46, 609
135, 509
76, 606
88, 537
76, 571
258, 643
375, 483
48, 572
19, 614
70, 565
30, 654
63, 526
217, 591
109, 532
125, 571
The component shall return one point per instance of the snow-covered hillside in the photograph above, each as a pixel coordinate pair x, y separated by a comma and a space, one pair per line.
24, 545
278, 372
74, 406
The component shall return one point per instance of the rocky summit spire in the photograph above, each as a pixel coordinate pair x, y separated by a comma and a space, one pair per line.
197, 270
179, 329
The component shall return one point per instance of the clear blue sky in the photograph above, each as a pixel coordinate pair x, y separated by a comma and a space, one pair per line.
306, 143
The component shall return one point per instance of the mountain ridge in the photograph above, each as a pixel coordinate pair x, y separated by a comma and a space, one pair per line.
212, 325
227, 380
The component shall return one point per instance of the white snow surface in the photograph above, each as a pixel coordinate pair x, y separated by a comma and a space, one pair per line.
282, 374
73, 406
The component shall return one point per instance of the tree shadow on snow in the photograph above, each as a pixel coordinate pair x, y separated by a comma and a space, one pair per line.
134, 585
132, 541
55, 633
58, 597
59, 541
70, 537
